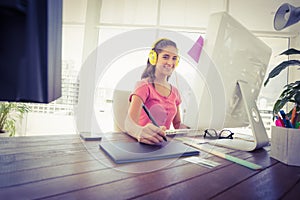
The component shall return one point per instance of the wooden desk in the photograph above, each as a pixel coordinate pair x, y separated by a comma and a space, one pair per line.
65, 167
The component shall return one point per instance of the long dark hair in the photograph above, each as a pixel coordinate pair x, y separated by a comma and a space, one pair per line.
157, 47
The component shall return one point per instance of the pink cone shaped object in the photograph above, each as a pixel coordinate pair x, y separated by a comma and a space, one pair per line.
195, 51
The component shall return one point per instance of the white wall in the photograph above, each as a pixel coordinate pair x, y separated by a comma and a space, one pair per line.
184, 15
49, 124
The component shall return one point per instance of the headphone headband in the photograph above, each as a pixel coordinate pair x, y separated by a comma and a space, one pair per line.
158, 41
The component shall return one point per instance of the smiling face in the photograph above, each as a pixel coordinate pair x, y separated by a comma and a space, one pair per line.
166, 61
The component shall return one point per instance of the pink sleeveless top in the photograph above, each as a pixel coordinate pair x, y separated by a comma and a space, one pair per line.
162, 108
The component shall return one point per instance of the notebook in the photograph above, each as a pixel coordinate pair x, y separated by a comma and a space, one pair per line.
126, 152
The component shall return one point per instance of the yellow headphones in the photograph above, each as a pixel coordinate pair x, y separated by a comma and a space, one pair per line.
153, 54
152, 57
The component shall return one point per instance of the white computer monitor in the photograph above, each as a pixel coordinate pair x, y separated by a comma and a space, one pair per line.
233, 77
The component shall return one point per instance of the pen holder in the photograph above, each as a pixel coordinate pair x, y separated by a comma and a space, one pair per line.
285, 144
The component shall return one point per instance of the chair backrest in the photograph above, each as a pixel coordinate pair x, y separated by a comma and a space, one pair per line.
120, 108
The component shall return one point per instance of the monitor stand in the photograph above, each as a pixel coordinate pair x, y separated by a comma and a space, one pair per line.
258, 130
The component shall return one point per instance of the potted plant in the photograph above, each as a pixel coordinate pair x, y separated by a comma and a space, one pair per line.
291, 92
285, 140
10, 112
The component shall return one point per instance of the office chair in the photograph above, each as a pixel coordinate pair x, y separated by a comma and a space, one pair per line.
120, 108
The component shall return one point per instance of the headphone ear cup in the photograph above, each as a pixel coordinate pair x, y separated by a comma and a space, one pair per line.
177, 61
152, 57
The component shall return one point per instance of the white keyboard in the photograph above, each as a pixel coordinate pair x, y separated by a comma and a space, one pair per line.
238, 144
184, 131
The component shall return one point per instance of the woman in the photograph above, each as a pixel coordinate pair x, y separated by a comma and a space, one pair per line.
158, 96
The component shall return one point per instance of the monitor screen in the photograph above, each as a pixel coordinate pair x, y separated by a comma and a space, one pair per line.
30, 50
235, 54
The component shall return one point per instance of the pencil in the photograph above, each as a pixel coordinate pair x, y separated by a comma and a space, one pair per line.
152, 119
293, 117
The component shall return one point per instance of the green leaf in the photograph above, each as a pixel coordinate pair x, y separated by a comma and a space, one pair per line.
281, 67
297, 98
291, 93
290, 52
279, 105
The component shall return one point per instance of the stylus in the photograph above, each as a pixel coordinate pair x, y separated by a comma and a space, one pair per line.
152, 119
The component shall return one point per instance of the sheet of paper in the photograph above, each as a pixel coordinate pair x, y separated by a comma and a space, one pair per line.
201, 161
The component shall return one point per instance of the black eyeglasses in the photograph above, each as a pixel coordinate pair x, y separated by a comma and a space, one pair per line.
223, 134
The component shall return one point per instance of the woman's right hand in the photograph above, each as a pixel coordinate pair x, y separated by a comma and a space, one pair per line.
151, 134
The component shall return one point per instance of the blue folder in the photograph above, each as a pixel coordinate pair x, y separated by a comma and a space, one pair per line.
126, 152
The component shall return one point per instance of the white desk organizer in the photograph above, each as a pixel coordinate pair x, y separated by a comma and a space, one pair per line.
285, 145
